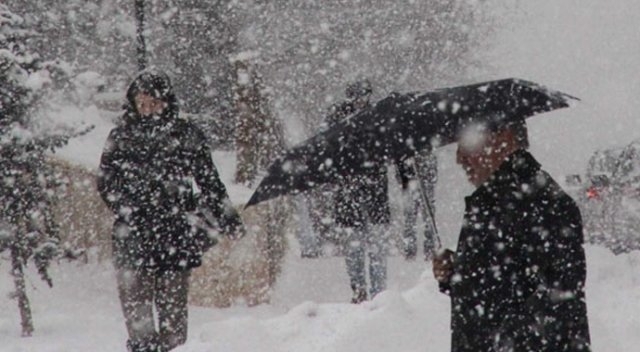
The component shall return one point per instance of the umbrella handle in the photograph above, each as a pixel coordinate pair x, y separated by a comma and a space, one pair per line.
428, 213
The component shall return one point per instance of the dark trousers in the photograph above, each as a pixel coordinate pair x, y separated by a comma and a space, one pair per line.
142, 290
368, 241
413, 207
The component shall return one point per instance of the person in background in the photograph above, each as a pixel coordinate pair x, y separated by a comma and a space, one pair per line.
155, 173
361, 209
516, 280
419, 175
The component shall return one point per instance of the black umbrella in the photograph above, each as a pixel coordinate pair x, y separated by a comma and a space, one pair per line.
399, 125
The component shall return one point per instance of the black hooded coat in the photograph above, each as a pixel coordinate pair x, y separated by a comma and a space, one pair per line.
155, 172
519, 270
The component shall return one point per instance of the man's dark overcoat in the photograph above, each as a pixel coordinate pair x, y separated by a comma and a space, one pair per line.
519, 270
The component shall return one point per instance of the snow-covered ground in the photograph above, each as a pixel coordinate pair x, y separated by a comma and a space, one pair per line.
588, 48
81, 312
308, 311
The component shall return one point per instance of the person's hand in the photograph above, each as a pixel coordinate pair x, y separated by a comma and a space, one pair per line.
443, 265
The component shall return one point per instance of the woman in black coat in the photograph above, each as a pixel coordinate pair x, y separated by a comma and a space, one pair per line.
157, 176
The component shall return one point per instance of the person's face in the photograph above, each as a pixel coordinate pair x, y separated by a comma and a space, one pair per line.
147, 105
480, 153
361, 102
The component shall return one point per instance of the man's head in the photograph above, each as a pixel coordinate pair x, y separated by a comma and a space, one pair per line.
359, 93
483, 148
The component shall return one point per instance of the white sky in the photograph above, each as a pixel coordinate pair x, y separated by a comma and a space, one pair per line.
587, 48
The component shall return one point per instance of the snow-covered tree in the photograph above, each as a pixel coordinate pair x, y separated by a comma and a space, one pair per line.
258, 135
95, 35
27, 228
312, 49
258, 141
192, 41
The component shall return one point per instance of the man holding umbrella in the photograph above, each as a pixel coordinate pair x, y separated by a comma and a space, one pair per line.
517, 279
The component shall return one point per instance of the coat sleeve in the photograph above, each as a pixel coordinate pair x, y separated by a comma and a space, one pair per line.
111, 182
214, 195
445, 287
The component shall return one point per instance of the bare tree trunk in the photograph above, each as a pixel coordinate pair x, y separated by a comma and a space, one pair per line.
21, 292
141, 49
277, 216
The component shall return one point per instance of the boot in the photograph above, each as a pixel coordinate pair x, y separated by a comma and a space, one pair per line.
359, 295
151, 345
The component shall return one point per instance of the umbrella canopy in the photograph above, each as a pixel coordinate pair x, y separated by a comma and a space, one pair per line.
399, 125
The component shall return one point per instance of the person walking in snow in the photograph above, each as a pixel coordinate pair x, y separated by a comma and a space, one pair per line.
516, 280
155, 173
361, 209
418, 174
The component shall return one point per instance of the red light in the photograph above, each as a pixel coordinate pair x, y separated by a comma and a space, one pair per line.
592, 193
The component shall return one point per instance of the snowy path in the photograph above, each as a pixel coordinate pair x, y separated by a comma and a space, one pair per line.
81, 312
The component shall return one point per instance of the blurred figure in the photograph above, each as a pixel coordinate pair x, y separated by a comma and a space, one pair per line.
418, 174
155, 172
308, 232
361, 209
358, 96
